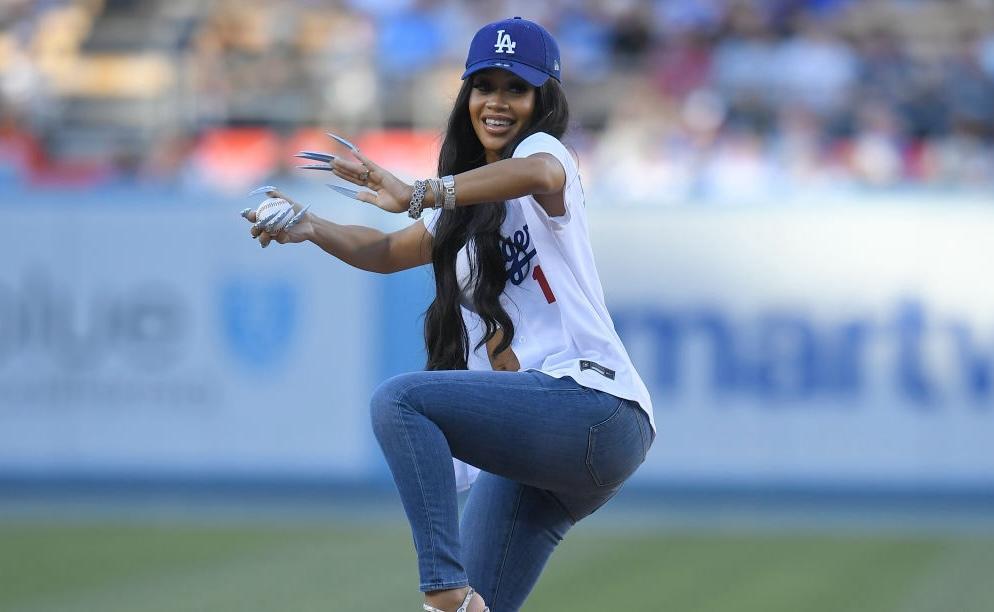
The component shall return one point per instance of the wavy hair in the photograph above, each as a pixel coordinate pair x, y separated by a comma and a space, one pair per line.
446, 338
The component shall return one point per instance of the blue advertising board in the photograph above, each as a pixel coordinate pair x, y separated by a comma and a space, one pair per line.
832, 345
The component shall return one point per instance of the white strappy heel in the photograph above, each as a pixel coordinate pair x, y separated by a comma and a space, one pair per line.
462, 608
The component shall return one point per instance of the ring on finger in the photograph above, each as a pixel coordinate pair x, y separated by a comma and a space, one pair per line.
364, 177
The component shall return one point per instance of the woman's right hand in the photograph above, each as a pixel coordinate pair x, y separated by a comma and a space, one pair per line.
300, 232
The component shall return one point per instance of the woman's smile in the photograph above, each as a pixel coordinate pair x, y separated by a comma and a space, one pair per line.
497, 125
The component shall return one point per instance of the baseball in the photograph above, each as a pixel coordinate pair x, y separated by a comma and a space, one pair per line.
273, 207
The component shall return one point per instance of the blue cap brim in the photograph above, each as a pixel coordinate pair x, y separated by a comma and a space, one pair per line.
535, 77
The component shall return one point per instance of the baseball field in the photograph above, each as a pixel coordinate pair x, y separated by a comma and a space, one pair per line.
152, 564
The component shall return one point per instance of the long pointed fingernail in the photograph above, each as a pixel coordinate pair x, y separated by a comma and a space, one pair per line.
352, 193
263, 189
296, 218
245, 212
316, 156
343, 141
316, 167
277, 220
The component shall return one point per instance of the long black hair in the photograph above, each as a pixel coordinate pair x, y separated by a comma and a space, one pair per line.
446, 338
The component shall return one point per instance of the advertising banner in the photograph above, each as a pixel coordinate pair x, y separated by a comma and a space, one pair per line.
840, 345
155, 337
831, 345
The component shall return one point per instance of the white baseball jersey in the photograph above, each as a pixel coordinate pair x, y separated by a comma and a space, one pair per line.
553, 293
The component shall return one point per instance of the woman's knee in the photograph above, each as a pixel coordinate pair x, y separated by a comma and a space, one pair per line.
388, 399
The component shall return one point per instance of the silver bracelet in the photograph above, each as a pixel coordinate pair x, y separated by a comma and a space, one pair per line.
436, 190
449, 183
417, 200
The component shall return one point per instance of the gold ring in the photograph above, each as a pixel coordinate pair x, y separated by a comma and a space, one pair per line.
364, 176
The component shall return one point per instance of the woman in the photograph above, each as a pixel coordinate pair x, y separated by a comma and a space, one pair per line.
526, 378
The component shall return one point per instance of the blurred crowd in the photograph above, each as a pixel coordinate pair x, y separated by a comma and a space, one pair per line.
673, 100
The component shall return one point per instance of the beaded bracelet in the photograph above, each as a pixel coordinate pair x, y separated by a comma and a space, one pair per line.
417, 200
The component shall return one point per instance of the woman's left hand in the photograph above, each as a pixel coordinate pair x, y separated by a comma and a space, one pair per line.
387, 191
506, 361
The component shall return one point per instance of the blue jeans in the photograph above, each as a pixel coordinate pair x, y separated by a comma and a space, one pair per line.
551, 451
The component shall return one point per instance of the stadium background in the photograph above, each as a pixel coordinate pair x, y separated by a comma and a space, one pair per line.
790, 202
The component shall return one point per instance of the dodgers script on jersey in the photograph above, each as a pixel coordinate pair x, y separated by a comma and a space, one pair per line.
553, 293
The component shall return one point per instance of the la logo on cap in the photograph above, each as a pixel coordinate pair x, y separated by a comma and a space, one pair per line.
504, 43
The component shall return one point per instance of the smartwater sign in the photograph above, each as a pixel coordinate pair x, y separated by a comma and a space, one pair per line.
834, 345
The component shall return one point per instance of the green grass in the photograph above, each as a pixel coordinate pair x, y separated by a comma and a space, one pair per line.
246, 568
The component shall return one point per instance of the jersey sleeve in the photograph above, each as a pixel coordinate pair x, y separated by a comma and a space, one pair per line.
542, 142
545, 143
430, 218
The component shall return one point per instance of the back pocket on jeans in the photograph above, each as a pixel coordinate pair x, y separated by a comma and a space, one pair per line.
615, 446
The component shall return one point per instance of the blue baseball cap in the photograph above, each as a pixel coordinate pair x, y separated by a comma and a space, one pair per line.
521, 46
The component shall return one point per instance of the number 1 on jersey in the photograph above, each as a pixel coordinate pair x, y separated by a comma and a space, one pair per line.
539, 276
